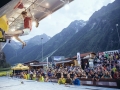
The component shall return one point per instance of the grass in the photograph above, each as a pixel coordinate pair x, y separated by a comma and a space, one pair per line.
3, 71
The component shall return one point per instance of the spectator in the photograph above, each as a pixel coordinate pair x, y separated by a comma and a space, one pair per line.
116, 75
34, 76
96, 77
84, 75
107, 75
76, 81
42, 74
46, 78
71, 75
49, 74
100, 74
28, 76
68, 80
89, 75
92, 74
58, 75
41, 78
24, 75
114, 68
31, 75
61, 80
65, 74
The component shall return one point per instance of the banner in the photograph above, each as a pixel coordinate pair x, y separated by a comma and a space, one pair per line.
78, 58
111, 52
47, 62
58, 58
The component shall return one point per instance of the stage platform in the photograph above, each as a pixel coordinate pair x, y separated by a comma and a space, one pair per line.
7, 83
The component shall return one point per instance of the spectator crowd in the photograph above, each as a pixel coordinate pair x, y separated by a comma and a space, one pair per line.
106, 66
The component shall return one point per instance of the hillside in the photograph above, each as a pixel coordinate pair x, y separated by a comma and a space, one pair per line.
99, 34
14, 51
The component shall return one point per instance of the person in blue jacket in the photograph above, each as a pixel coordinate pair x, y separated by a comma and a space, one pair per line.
76, 81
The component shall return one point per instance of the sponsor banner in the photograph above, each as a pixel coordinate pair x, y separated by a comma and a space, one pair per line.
58, 58
78, 58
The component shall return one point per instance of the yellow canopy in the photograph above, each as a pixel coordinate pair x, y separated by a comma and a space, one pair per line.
20, 67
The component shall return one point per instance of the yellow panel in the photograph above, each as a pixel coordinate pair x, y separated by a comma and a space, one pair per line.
3, 24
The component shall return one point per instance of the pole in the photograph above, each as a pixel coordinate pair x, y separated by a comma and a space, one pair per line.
42, 47
0, 46
47, 62
118, 34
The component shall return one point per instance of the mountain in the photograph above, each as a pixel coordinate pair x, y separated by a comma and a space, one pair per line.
99, 34
3, 63
14, 50
33, 51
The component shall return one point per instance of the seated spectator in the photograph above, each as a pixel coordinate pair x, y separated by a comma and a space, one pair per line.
76, 81
84, 75
34, 76
116, 75
79, 75
31, 75
58, 75
107, 75
68, 80
65, 74
92, 74
24, 75
96, 77
42, 74
100, 74
49, 74
71, 75
28, 76
89, 75
114, 68
41, 78
61, 80
46, 78
21, 75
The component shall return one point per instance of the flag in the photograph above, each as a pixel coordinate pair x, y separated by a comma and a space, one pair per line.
47, 62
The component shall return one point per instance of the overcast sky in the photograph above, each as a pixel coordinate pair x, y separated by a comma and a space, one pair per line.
78, 10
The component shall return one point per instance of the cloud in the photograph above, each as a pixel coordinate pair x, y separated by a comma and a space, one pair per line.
79, 10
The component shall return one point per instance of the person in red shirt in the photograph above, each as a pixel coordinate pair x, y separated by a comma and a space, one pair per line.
25, 31
116, 75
